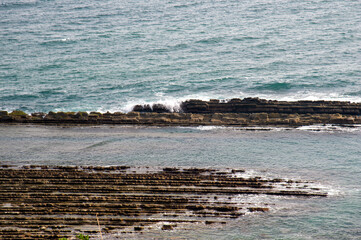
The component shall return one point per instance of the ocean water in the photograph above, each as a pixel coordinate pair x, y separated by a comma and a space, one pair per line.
67, 55
109, 55
327, 156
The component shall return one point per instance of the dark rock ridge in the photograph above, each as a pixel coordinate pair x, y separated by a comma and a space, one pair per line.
236, 112
256, 105
49, 202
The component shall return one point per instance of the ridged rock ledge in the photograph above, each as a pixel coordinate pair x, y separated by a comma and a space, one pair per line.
50, 202
235, 112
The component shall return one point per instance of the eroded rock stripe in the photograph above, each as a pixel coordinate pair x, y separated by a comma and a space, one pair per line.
236, 112
42, 202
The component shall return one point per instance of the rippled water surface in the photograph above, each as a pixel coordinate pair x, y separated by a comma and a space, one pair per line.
109, 55
67, 55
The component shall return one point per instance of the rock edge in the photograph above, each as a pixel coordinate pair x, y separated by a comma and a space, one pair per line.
235, 112
50, 202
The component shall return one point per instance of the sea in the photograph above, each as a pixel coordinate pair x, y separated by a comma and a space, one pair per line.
108, 55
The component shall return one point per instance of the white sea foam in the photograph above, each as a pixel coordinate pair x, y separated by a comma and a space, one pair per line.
332, 191
209, 128
173, 103
331, 128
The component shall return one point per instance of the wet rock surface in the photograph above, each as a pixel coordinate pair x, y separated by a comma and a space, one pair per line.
49, 202
235, 112
256, 105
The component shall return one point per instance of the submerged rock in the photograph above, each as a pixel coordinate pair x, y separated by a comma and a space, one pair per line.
258, 209
55, 200
167, 227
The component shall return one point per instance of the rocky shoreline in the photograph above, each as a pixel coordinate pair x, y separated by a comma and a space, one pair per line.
235, 112
49, 202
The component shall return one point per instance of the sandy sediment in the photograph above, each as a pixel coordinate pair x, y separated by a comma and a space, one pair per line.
49, 202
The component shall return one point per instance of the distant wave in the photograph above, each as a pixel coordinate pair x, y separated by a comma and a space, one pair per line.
58, 42
274, 86
210, 40
186, 5
51, 92
16, 3
316, 86
49, 66
19, 97
354, 93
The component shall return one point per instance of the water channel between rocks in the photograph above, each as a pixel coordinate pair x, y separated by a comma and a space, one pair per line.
193, 182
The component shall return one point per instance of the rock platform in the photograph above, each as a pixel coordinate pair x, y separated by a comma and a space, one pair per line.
235, 112
49, 202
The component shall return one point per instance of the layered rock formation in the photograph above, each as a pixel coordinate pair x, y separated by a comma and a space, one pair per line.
42, 202
236, 112
256, 105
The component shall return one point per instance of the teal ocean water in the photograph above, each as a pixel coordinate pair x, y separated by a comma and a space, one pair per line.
109, 55
67, 55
